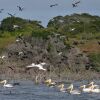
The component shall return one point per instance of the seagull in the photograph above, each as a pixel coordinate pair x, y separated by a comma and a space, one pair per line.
54, 5
20, 8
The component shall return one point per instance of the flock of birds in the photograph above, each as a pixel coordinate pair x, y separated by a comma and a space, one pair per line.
89, 88
12, 15
75, 4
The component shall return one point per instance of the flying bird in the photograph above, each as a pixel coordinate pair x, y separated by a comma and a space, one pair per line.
1, 10
10, 68
11, 15
40, 66
20, 8
75, 4
54, 5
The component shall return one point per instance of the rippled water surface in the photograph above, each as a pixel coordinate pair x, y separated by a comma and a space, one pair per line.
29, 91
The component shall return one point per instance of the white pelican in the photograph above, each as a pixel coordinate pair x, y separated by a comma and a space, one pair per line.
5, 84
50, 83
32, 65
71, 91
91, 87
84, 89
94, 88
92, 84
40, 66
61, 87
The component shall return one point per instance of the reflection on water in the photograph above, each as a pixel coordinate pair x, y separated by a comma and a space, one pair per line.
29, 91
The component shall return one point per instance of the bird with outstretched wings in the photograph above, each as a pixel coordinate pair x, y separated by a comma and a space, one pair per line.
1, 10
54, 5
11, 15
75, 4
20, 8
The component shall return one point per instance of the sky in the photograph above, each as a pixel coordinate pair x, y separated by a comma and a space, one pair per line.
40, 9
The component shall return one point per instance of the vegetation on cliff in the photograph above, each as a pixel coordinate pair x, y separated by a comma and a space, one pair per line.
75, 38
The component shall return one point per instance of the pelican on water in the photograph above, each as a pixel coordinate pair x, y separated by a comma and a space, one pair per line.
94, 88
5, 84
50, 83
61, 87
72, 91
85, 89
91, 87
92, 84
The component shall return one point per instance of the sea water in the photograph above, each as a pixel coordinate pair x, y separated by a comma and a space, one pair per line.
27, 90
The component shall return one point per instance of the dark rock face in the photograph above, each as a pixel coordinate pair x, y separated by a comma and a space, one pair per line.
51, 50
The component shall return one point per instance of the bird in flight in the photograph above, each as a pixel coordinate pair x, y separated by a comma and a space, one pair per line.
20, 8
75, 4
40, 66
11, 15
54, 5
1, 10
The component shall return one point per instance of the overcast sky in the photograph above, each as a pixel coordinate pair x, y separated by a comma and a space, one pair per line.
41, 10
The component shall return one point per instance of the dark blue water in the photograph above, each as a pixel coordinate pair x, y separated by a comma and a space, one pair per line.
29, 91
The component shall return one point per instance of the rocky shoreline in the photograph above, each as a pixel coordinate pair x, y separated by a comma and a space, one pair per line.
62, 61
40, 76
